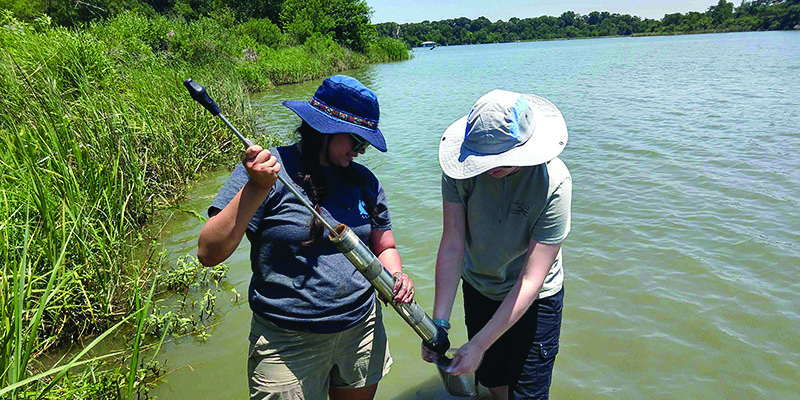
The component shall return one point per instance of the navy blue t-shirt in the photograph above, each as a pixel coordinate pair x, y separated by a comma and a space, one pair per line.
308, 288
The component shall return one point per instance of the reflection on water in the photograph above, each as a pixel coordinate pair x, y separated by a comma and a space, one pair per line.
683, 261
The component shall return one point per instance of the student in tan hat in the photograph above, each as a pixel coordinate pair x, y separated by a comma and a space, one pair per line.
506, 212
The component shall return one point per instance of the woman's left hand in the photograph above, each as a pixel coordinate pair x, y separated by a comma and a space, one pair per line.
403, 288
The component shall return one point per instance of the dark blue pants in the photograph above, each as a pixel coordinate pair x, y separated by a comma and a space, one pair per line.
524, 356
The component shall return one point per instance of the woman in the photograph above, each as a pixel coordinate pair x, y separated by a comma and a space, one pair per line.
316, 330
506, 211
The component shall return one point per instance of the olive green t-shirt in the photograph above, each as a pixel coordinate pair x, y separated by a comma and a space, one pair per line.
502, 217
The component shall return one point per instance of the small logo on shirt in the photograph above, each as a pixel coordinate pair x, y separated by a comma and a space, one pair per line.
362, 208
519, 208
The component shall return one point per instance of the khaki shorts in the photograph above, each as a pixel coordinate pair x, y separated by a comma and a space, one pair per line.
285, 364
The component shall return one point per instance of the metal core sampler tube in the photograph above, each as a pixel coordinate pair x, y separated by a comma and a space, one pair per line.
365, 262
434, 337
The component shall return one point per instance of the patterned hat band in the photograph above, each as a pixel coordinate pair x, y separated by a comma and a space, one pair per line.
342, 115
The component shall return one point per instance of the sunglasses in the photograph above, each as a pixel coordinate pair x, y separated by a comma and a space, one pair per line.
361, 144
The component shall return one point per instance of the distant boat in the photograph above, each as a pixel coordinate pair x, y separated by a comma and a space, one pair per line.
427, 44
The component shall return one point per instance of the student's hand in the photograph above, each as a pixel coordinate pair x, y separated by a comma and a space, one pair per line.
403, 288
262, 167
467, 359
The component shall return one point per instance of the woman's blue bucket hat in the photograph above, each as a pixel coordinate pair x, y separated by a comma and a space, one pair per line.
342, 105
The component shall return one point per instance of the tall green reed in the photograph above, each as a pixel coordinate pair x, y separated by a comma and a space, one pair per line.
88, 151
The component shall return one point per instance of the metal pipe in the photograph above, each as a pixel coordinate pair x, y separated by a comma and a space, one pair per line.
433, 337
373, 270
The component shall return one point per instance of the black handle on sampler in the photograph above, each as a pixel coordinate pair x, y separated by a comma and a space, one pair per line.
439, 344
200, 95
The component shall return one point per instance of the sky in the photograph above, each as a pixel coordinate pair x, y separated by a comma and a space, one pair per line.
403, 11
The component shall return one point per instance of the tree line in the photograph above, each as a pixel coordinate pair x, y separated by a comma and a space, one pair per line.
756, 15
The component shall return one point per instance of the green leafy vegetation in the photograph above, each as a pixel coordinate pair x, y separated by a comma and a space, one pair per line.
347, 22
97, 133
755, 15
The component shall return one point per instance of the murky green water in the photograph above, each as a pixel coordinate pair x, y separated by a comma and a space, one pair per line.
683, 265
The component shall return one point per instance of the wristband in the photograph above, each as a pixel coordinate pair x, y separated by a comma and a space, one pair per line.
442, 323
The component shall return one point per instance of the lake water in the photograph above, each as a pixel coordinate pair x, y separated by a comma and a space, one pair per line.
683, 264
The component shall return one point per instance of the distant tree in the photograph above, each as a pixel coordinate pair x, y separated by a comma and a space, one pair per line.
245, 9
722, 12
572, 32
262, 31
480, 23
593, 18
301, 18
345, 21
568, 18
390, 29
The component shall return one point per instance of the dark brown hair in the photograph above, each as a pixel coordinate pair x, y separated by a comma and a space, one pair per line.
313, 181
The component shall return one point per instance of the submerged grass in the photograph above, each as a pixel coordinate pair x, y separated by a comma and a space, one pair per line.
96, 133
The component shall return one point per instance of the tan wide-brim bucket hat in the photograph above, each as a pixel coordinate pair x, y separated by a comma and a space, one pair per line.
503, 129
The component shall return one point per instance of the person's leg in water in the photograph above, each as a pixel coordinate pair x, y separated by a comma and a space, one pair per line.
493, 372
362, 358
364, 393
286, 364
520, 363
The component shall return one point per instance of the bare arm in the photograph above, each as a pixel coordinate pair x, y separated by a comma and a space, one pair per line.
449, 259
381, 242
540, 258
223, 232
